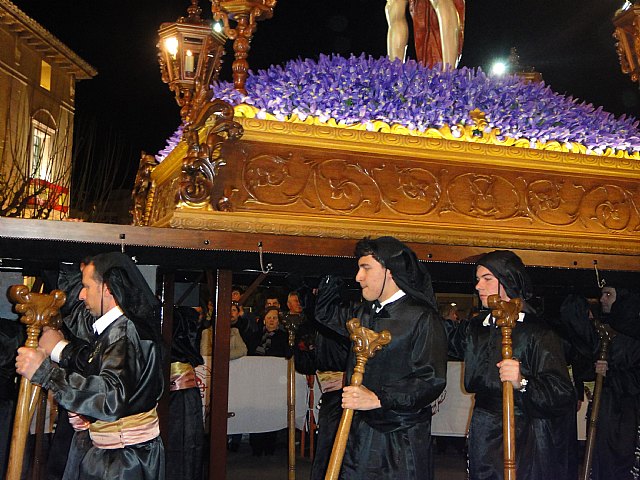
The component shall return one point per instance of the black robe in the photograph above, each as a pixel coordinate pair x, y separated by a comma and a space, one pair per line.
67, 446
393, 441
185, 441
329, 353
122, 377
618, 417
544, 413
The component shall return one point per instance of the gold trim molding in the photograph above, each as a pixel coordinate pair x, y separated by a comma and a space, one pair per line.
437, 148
301, 226
315, 181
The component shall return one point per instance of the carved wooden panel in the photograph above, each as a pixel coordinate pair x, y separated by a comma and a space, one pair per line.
164, 201
310, 181
280, 178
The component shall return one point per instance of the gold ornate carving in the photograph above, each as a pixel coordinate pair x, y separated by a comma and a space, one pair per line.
521, 157
142, 190
312, 181
490, 197
319, 226
360, 185
164, 202
203, 160
627, 36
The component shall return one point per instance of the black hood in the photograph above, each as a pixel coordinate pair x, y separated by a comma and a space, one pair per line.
408, 272
625, 314
131, 292
508, 268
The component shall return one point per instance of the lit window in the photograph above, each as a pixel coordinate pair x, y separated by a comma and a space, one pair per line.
45, 75
41, 161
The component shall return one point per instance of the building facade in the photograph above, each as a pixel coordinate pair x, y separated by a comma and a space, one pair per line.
38, 75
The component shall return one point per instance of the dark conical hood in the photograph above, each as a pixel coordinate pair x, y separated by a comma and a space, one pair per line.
508, 268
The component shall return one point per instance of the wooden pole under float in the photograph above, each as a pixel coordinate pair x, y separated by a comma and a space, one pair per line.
291, 324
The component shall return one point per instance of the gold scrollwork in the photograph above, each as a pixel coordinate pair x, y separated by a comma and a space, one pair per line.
555, 204
274, 180
363, 187
608, 206
344, 186
339, 185
484, 196
203, 160
142, 190
416, 191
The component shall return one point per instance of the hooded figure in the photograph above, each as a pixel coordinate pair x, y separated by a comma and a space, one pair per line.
390, 435
544, 397
114, 392
508, 268
624, 316
617, 443
408, 273
130, 289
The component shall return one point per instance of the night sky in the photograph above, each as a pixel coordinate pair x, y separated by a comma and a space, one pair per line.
570, 42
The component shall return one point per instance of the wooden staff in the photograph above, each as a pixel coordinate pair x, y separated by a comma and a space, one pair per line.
291, 323
37, 310
291, 417
605, 338
365, 345
506, 315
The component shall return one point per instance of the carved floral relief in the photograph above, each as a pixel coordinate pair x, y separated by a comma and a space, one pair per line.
286, 179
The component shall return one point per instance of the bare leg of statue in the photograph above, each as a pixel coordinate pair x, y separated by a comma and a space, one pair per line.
449, 23
398, 33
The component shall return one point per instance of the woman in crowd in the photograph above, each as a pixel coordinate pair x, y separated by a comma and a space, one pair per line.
268, 340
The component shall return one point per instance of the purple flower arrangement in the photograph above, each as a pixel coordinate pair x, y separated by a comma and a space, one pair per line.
363, 90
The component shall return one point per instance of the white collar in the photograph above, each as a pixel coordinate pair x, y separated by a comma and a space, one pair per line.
487, 321
396, 296
101, 324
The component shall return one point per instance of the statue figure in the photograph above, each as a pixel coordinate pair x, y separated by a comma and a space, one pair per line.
141, 188
438, 30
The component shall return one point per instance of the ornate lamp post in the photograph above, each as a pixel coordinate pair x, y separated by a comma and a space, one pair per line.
245, 14
190, 54
627, 35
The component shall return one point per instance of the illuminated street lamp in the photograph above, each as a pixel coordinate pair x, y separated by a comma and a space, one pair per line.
512, 66
190, 52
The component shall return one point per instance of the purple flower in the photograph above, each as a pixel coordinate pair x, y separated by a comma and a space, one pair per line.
172, 142
364, 90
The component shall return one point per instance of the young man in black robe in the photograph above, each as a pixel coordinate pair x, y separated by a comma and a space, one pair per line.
544, 397
118, 389
616, 443
390, 436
